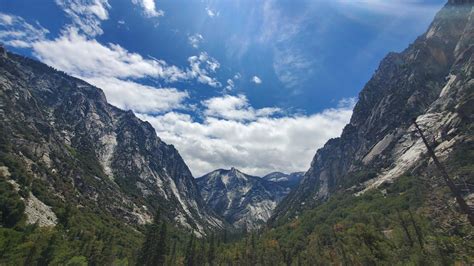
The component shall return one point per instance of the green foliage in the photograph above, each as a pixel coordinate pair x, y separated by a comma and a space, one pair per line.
378, 227
11, 205
155, 246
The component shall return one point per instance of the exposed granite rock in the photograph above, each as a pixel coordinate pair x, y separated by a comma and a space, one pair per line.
243, 200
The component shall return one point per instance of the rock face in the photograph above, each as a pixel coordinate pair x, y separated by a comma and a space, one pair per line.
431, 81
243, 200
285, 180
91, 153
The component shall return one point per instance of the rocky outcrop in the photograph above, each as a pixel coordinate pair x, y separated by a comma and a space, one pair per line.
431, 81
91, 153
243, 200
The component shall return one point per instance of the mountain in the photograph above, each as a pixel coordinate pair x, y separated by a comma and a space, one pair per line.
431, 81
244, 201
286, 180
73, 148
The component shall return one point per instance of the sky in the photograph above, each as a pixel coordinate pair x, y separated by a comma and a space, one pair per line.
258, 85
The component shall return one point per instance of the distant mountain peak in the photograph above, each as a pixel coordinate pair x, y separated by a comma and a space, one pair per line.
244, 201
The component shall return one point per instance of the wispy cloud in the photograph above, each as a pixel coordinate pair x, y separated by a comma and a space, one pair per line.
16, 32
86, 15
400, 8
290, 63
202, 66
230, 86
291, 66
212, 13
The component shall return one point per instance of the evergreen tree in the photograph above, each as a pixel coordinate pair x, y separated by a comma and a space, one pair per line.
162, 246
190, 252
211, 254
150, 254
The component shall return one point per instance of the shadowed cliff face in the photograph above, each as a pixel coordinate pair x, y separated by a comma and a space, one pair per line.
430, 81
64, 132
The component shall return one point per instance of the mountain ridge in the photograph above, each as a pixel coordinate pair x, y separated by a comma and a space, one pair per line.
245, 201
63, 131
430, 81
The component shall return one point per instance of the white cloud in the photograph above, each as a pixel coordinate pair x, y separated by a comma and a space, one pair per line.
201, 67
279, 26
114, 69
235, 108
83, 57
258, 146
230, 85
129, 95
149, 8
80, 56
212, 13
256, 80
86, 15
195, 40
16, 32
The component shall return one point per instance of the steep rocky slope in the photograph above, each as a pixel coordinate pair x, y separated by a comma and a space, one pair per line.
90, 153
431, 81
244, 201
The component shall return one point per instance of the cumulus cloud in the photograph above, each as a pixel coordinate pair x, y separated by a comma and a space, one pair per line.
86, 15
80, 56
16, 32
129, 95
256, 80
149, 8
257, 146
235, 108
195, 39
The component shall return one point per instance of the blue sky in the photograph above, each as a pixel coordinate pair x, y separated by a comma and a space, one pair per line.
258, 85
